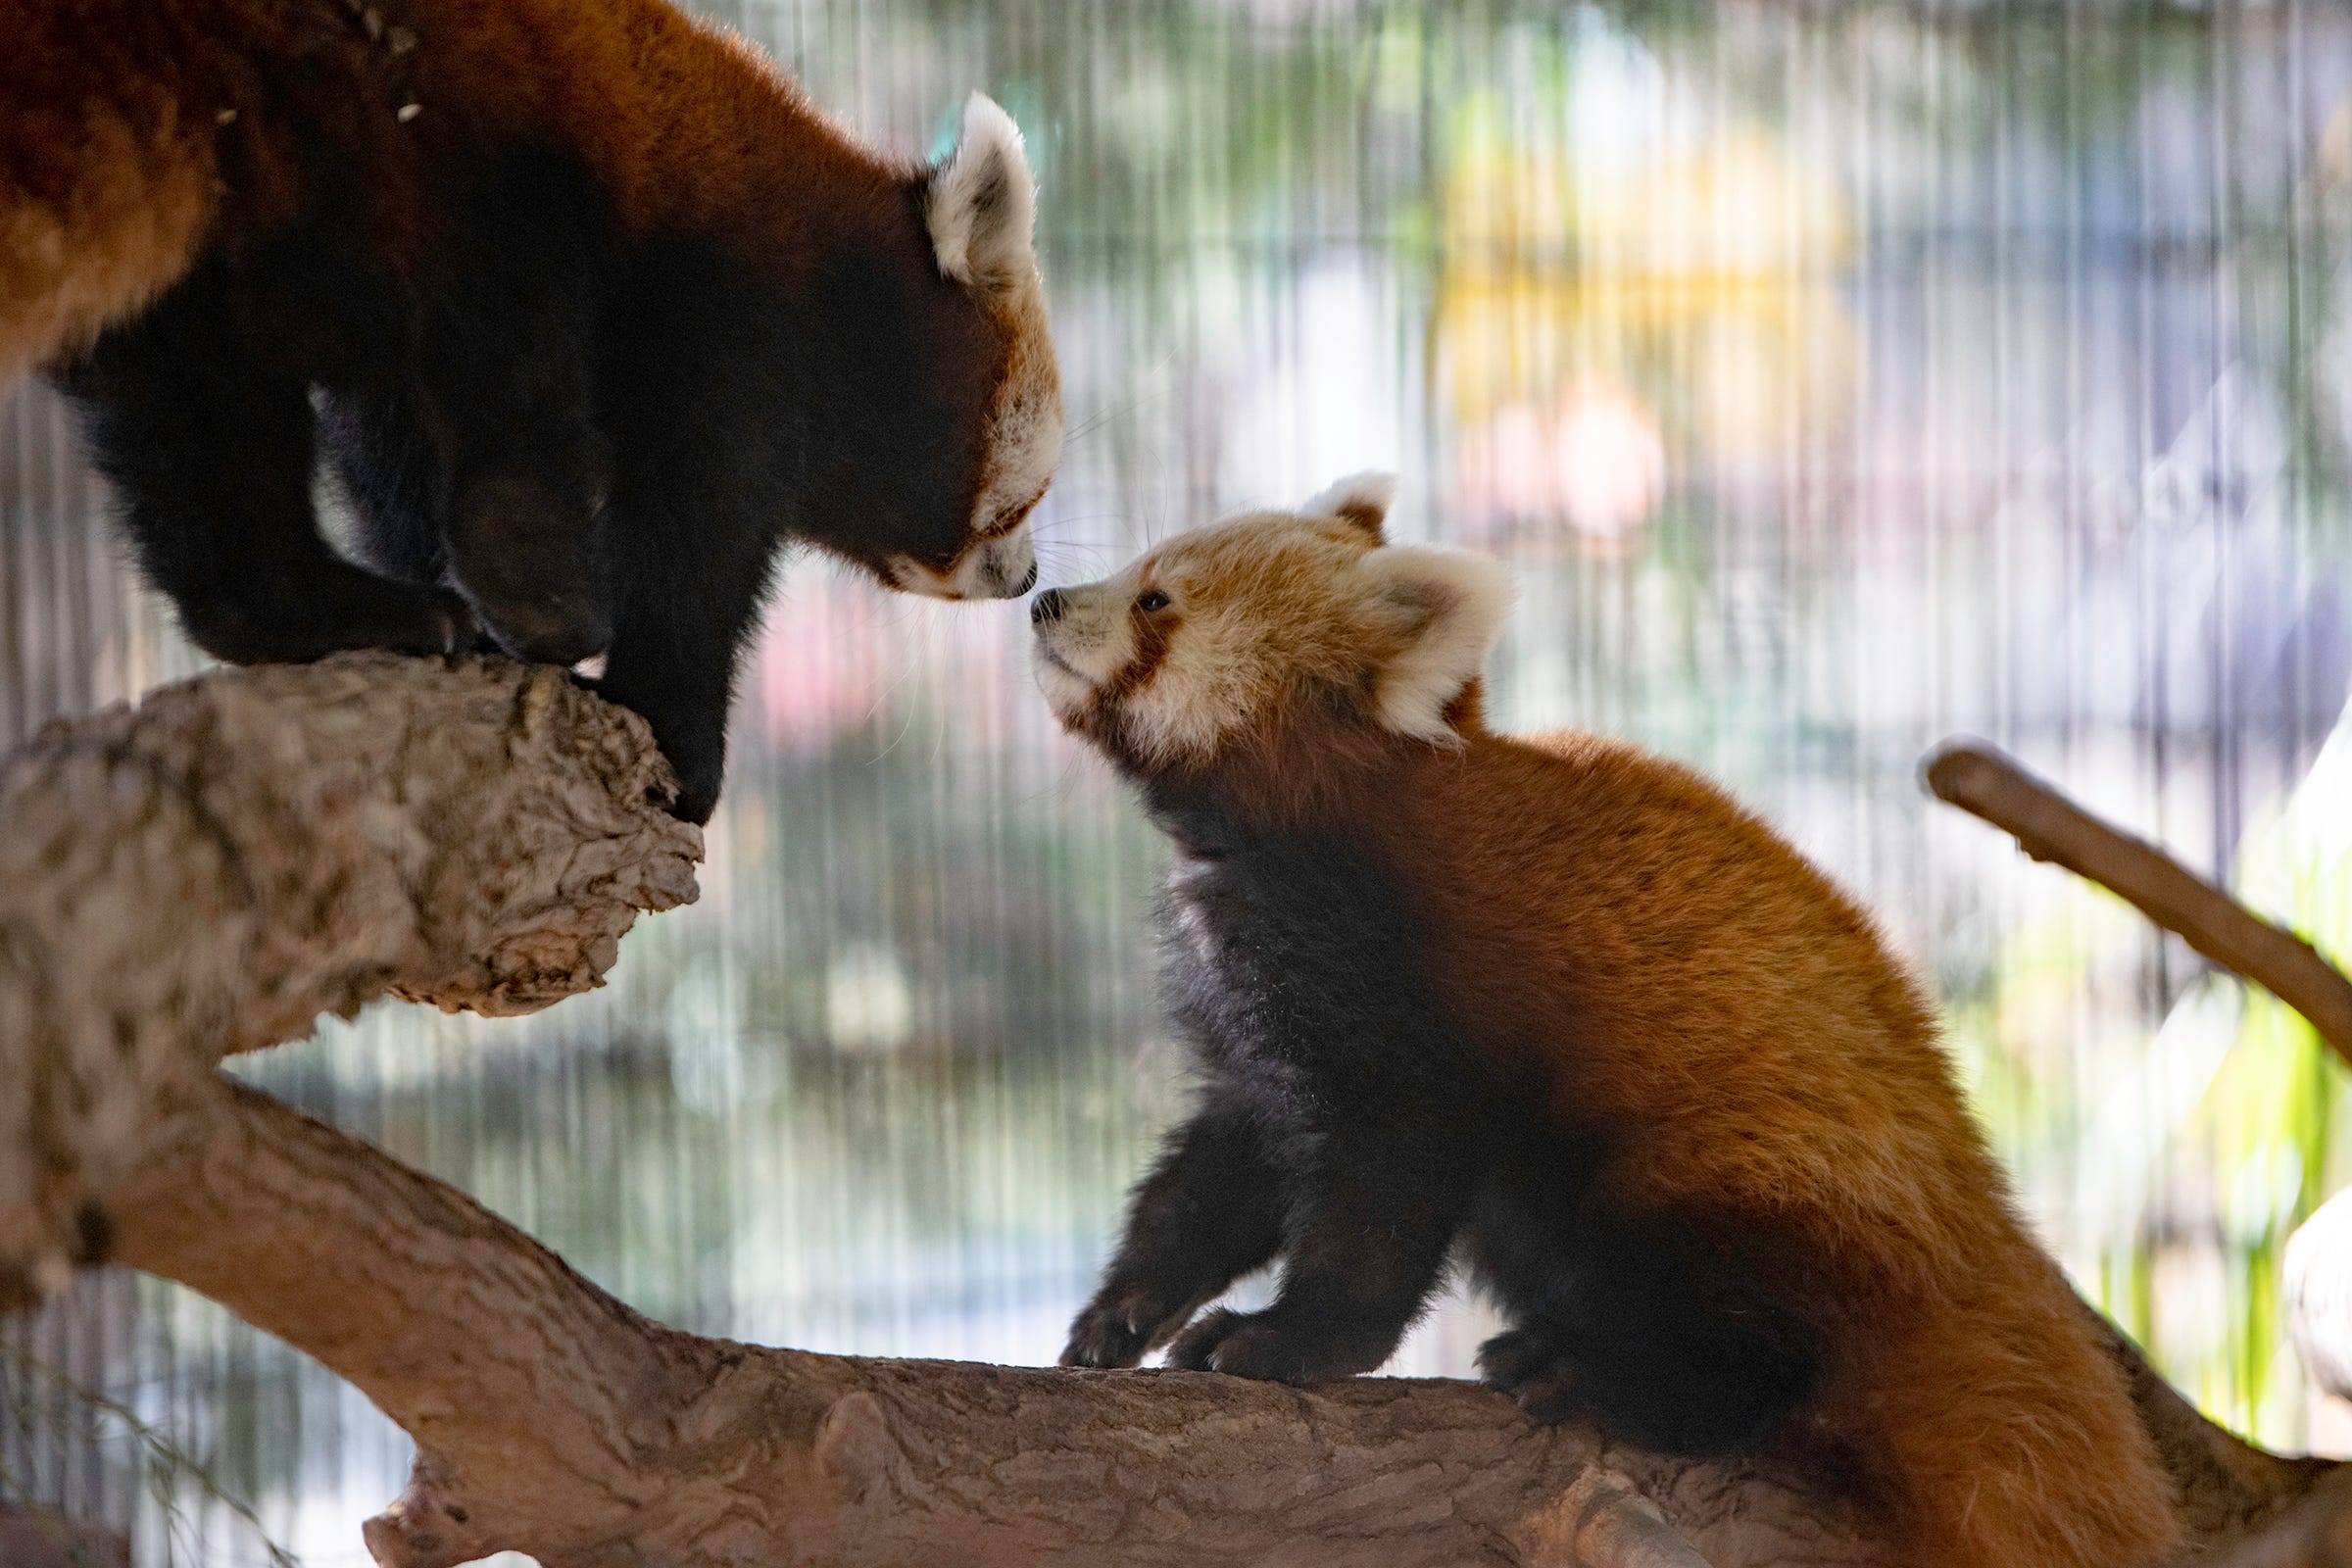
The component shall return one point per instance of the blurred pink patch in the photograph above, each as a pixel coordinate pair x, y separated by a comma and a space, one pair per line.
820, 667
1595, 461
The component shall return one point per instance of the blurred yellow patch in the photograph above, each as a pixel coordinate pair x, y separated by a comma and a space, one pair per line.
1594, 314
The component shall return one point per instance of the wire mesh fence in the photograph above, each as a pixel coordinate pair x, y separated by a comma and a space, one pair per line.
1836, 379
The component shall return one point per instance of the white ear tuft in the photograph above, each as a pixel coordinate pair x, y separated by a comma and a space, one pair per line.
1362, 499
1451, 609
982, 204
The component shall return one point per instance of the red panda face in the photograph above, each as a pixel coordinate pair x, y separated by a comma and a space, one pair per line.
1233, 628
981, 208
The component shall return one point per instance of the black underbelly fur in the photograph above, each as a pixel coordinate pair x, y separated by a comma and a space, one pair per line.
1351, 1129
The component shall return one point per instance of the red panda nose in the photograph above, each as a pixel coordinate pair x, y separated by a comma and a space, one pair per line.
1049, 605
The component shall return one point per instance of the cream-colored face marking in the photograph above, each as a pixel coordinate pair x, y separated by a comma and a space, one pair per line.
1001, 568
1200, 638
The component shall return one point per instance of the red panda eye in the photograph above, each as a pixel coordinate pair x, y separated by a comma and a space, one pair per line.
1152, 602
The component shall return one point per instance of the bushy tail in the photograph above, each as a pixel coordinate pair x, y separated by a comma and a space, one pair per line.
2011, 1442
107, 175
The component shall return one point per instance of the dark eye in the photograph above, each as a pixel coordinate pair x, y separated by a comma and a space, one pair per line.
1152, 602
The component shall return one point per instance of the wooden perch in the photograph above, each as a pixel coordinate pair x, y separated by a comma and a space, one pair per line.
1982, 780
553, 1420
211, 871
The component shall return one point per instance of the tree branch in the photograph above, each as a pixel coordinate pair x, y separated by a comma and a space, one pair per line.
1984, 782
553, 1420
212, 870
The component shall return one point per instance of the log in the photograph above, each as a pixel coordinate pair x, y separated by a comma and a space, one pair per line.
551, 1419
216, 868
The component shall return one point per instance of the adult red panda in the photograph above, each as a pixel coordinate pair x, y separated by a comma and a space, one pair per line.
1567, 1014
588, 306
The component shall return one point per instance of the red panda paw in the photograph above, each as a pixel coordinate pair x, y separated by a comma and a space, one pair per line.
1116, 1328
1269, 1345
1528, 1365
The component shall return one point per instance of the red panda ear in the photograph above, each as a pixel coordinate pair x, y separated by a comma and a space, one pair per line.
1446, 609
981, 204
1361, 499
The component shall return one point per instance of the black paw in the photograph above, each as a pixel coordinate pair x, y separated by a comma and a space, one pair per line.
698, 757
1269, 1345
1531, 1367
698, 797
545, 639
1118, 1328
294, 622
525, 555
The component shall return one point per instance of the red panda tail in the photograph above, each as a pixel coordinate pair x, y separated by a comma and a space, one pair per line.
107, 176
2010, 1438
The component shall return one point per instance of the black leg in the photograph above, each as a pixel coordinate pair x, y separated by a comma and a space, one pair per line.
1664, 1334
210, 453
522, 548
479, 458
391, 453
690, 575
510, 518
1209, 1212
1376, 1206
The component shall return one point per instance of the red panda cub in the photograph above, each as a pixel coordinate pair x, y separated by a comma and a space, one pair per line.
582, 301
1565, 1015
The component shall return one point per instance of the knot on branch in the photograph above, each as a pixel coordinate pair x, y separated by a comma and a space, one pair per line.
208, 870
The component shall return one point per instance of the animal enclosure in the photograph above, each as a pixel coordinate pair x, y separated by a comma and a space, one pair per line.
1832, 384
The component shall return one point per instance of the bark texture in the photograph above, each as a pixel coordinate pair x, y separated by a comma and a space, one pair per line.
214, 869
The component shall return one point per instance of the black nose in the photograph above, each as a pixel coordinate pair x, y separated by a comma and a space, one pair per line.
1028, 580
1048, 606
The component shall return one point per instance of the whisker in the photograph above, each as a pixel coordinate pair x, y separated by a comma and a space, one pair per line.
1112, 411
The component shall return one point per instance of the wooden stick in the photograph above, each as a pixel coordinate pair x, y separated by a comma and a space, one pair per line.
1984, 781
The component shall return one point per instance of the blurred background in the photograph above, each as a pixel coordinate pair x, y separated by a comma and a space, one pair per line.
1837, 380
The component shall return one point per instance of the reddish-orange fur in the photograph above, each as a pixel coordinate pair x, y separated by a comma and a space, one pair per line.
135, 133
1674, 971
1744, 1020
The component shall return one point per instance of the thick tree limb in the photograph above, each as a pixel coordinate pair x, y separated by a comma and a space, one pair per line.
212, 870
553, 1420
